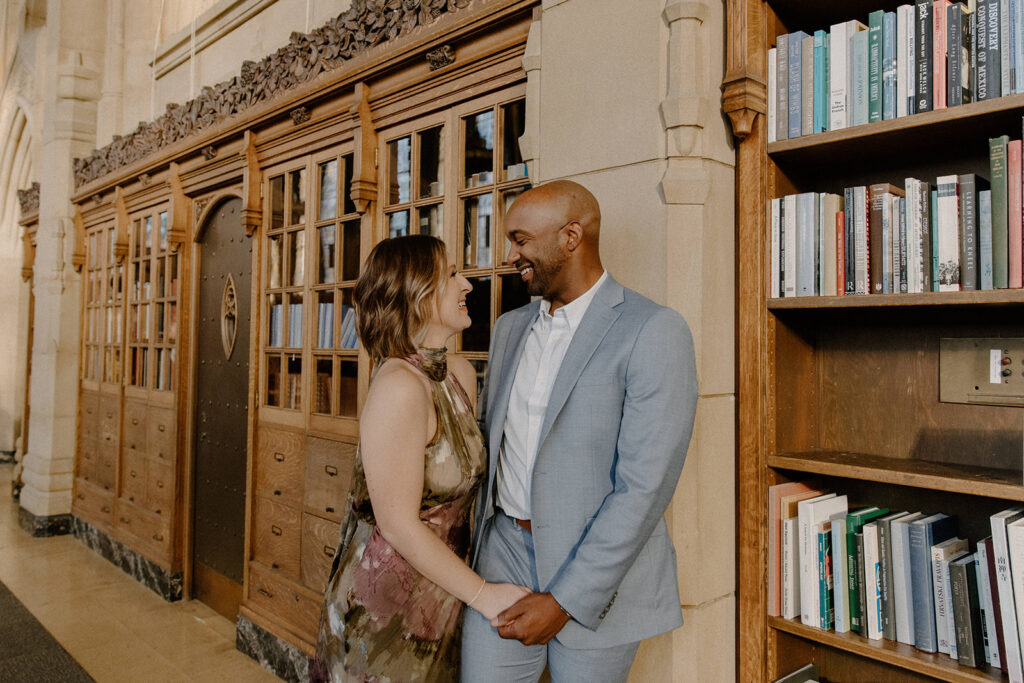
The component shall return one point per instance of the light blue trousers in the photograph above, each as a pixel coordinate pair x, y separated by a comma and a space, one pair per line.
507, 556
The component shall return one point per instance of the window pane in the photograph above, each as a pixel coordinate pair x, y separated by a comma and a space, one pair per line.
147, 235
478, 157
478, 336
350, 253
115, 367
293, 393
275, 320
274, 380
477, 231
508, 197
325, 254
399, 169
328, 189
277, 202
159, 322
349, 390
481, 370
163, 231
324, 382
398, 224
161, 370
513, 293
348, 338
144, 326
346, 198
298, 197
294, 321
296, 241
137, 237
147, 284
274, 265
172, 275
161, 284
432, 162
514, 125
432, 220
172, 322
325, 319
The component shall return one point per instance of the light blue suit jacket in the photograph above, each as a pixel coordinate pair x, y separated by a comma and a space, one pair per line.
612, 445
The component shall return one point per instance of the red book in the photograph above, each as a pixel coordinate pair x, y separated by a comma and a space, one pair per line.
999, 640
840, 253
1013, 215
939, 53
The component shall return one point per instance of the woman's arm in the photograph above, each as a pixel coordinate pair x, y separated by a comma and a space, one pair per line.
394, 429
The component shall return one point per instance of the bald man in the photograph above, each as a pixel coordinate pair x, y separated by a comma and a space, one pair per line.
590, 399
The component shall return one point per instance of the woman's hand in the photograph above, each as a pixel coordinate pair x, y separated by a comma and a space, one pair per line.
495, 598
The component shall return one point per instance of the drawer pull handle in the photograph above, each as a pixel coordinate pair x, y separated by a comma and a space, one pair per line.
328, 551
105, 508
125, 521
160, 455
277, 493
131, 498
159, 484
161, 427
331, 470
158, 537
264, 591
133, 473
273, 565
276, 530
135, 420
329, 508
279, 457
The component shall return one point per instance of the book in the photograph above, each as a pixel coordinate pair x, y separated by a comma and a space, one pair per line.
927, 234
826, 610
821, 73
1015, 545
998, 177
958, 55
812, 513
903, 608
840, 253
1004, 584
858, 58
789, 261
970, 647
860, 239
1013, 216
849, 260
985, 86
923, 47
904, 50
872, 581
968, 186
885, 574
941, 553
948, 226
996, 622
914, 246
790, 569
775, 210
935, 239
889, 69
875, 39
879, 237
985, 239
1017, 45
831, 204
939, 53
782, 499
782, 87
1005, 48
924, 533
840, 587
807, 85
987, 605
855, 521
773, 95
806, 229
900, 209
839, 72
795, 80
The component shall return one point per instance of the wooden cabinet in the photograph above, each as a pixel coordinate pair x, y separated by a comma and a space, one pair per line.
280, 458
285, 600
329, 466
845, 389
319, 543
93, 504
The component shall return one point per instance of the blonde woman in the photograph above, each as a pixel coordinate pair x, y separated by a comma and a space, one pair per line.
393, 607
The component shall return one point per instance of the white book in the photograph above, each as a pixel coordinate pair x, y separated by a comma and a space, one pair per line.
773, 109
911, 61
1007, 605
872, 581
903, 27
819, 243
1005, 54
902, 581
806, 229
839, 72
985, 598
894, 231
1018, 41
948, 226
860, 239
841, 601
773, 221
942, 552
790, 569
1015, 541
812, 513
915, 284
789, 234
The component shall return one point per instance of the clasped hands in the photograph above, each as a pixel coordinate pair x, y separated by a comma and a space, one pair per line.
533, 619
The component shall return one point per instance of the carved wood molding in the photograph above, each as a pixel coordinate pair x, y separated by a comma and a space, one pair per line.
366, 24
364, 176
78, 256
178, 231
252, 183
744, 93
123, 225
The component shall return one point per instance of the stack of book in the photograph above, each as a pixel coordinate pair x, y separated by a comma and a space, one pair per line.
898, 575
954, 233
928, 55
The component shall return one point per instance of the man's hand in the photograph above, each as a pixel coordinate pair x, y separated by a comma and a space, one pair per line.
533, 620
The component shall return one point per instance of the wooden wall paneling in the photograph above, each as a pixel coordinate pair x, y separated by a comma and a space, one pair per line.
252, 175
796, 385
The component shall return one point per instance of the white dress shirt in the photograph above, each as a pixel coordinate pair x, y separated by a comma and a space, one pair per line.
545, 348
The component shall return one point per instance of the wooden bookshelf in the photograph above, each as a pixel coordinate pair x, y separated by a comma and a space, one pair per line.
844, 389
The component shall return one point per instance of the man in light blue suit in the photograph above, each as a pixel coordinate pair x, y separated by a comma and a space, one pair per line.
589, 406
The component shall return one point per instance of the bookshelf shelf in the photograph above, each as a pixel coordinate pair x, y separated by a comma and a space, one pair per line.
998, 297
966, 479
938, 666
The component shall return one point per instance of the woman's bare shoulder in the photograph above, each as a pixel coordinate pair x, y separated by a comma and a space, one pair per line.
397, 383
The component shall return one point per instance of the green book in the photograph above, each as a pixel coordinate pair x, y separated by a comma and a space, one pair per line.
875, 21
854, 521
997, 170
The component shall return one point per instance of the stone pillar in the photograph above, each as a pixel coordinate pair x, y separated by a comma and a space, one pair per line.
74, 33
111, 105
629, 107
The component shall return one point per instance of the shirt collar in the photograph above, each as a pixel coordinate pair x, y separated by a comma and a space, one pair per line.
574, 310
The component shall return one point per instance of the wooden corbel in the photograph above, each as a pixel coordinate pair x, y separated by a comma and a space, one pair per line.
178, 231
252, 184
78, 256
123, 225
364, 175
29, 259
744, 93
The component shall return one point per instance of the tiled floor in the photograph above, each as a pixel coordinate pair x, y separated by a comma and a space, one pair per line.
117, 629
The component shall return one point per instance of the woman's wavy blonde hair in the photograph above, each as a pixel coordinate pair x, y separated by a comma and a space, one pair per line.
396, 294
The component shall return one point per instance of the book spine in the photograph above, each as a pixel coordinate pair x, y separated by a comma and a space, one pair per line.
1015, 550
854, 545
1018, 46
841, 596
1013, 215
997, 616
872, 581
1000, 190
807, 85
967, 188
902, 80
821, 91
782, 87
889, 66
923, 45
985, 239
961, 614
935, 239
953, 75
827, 254
886, 579
1005, 47
775, 210
988, 631
773, 95
950, 621
993, 50
838, 44
860, 228
876, 241
840, 228
966, 52
924, 598
790, 214
805, 231
925, 221
902, 584
982, 82
790, 573
795, 45
819, 244
901, 211
949, 235
875, 40
849, 240
859, 77
939, 600
939, 54
862, 589
1007, 604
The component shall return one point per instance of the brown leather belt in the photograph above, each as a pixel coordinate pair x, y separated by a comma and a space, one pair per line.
525, 523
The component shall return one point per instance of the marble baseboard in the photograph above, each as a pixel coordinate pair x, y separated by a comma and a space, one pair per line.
276, 656
165, 583
44, 525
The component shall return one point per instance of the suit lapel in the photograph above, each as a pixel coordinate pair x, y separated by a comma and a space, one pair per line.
595, 324
509, 363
